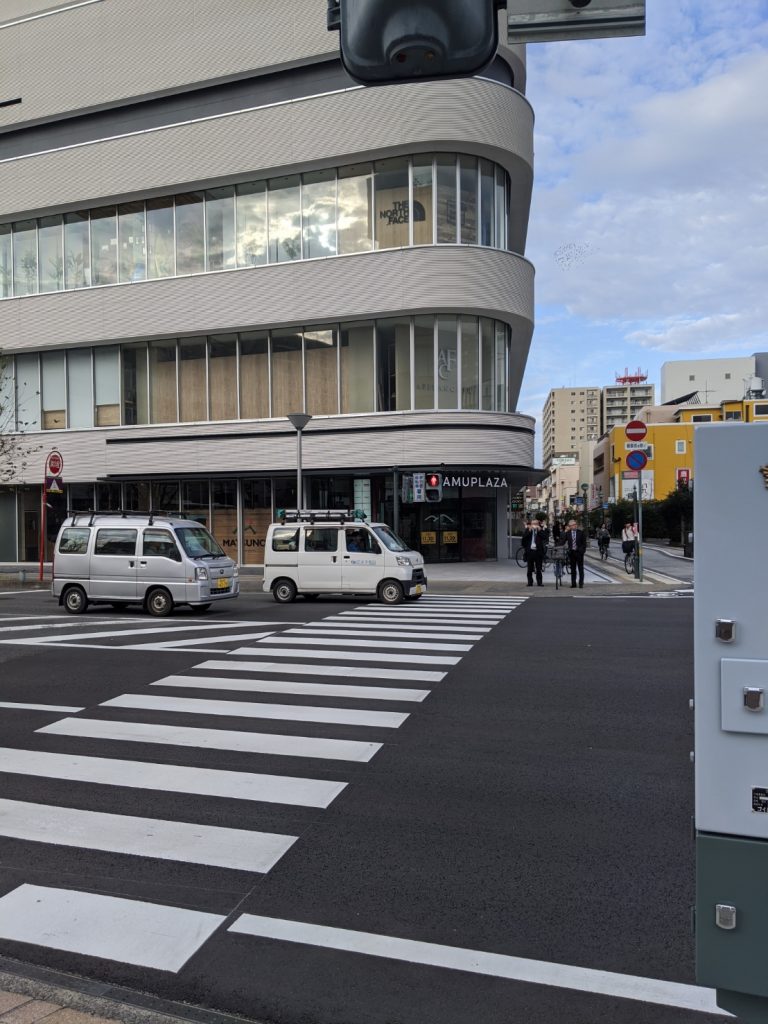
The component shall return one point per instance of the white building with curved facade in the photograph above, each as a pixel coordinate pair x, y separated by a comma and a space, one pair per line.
206, 226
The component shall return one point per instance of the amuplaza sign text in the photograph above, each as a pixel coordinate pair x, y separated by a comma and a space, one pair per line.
474, 481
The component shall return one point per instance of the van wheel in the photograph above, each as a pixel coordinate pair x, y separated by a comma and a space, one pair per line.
311, 597
75, 600
159, 602
391, 592
284, 591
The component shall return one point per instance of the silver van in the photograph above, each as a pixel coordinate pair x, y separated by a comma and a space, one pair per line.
327, 551
122, 558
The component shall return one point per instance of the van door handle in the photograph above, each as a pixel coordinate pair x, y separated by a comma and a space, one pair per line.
347, 556
143, 561
132, 563
334, 558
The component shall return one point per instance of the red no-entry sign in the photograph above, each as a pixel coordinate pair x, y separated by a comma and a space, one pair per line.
54, 463
636, 430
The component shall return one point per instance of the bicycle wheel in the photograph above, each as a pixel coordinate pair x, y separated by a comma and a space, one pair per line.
557, 565
520, 557
629, 563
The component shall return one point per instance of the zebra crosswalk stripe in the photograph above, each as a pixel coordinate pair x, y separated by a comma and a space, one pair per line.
286, 686
144, 837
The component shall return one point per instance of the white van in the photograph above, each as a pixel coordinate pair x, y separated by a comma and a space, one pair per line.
326, 552
122, 558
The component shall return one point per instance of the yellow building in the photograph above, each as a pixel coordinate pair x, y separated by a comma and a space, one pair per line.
668, 446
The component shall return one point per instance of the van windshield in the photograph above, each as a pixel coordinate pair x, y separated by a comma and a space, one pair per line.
198, 543
389, 539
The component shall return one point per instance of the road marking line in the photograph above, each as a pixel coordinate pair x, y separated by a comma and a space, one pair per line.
171, 778
149, 934
399, 645
303, 689
428, 613
434, 618
180, 841
117, 634
385, 634
54, 625
245, 709
362, 672
40, 707
411, 659
165, 645
216, 739
365, 622
496, 965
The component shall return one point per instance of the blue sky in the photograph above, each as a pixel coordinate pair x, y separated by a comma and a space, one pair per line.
649, 222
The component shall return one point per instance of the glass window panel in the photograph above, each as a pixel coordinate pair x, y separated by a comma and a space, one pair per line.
220, 227
80, 496
446, 198
254, 375
424, 361
222, 376
447, 363
25, 257
77, 250
501, 367
7, 396
28, 392
393, 364
136, 496
6, 266
487, 222
251, 224
318, 213
356, 351
320, 367
50, 235
166, 496
162, 381
354, 201
107, 382
104, 245
487, 362
131, 234
500, 208
257, 515
468, 199
79, 388
284, 207
224, 514
470, 364
422, 201
109, 497
391, 203
135, 403
195, 500
287, 377
54, 404
190, 250
160, 243
193, 381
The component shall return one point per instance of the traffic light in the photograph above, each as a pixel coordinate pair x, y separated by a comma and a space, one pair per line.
433, 487
390, 41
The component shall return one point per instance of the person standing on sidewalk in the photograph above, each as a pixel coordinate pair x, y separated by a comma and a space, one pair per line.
575, 545
535, 540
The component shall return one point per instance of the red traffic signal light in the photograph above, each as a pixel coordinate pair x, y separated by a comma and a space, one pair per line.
433, 487
433, 480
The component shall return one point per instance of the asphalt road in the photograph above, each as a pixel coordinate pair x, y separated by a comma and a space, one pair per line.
506, 837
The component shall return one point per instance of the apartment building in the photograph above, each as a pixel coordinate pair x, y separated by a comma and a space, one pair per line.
571, 416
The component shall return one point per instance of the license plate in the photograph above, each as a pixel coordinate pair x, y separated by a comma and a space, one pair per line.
222, 584
419, 588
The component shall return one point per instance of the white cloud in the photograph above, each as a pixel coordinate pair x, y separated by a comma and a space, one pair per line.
648, 225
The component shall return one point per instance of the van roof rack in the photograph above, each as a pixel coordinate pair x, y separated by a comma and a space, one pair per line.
321, 515
124, 513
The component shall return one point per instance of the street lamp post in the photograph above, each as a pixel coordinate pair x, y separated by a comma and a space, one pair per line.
299, 420
584, 489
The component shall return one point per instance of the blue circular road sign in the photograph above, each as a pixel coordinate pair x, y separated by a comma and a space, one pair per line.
637, 460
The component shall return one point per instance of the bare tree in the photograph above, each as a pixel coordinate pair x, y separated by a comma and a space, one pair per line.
15, 449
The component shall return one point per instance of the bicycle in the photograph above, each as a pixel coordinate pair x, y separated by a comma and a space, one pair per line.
522, 561
557, 557
603, 546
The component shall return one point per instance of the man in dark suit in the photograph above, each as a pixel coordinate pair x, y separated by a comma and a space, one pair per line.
535, 540
576, 545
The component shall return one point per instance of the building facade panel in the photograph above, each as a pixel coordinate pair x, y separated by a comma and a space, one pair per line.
451, 279
130, 48
485, 117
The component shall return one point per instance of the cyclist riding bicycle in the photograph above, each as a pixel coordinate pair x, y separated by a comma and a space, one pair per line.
603, 539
